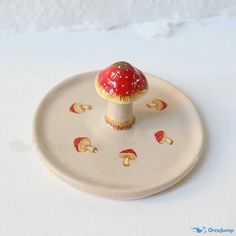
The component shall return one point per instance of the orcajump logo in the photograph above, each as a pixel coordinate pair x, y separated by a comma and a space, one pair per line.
199, 229
203, 230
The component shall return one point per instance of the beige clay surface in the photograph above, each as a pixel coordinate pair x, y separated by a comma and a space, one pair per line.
157, 166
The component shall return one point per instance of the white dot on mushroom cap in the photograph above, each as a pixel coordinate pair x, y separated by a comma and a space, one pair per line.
114, 83
122, 86
104, 84
126, 77
127, 92
111, 91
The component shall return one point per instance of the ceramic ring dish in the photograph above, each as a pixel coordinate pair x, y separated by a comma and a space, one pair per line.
158, 144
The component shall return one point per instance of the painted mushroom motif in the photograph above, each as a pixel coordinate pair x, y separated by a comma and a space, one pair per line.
121, 84
161, 137
83, 144
127, 155
79, 108
157, 104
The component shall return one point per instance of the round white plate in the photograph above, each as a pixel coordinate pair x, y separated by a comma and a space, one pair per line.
157, 167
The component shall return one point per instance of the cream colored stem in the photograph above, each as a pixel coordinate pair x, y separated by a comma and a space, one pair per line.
88, 107
91, 149
126, 161
169, 140
151, 105
120, 113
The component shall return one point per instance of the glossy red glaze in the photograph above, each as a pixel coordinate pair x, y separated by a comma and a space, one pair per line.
122, 79
159, 135
129, 151
77, 141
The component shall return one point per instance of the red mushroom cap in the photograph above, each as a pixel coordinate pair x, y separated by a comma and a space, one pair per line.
129, 151
72, 108
164, 105
159, 135
121, 83
77, 141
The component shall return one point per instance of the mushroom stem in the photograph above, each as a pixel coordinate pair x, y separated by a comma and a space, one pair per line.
126, 161
151, 105
88, 107
91, 149
120, 116
169, 140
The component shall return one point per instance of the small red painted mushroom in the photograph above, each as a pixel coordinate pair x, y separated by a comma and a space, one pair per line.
157, 104
161, 137
79, 108
121, 84
83, 144
127, 155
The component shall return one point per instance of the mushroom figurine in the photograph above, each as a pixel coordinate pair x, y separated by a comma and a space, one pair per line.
83, 144
79, 107
161, 137
121, 84
127, 155
157, 104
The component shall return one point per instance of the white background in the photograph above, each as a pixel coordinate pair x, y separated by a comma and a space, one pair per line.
200, 59
21, 15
